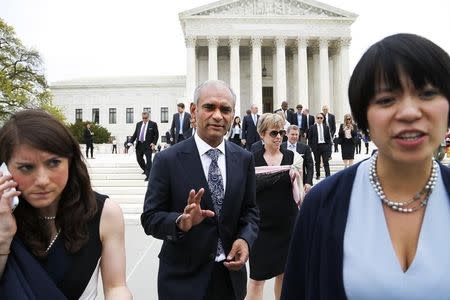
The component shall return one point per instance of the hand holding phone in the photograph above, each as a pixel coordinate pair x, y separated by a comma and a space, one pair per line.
5, 171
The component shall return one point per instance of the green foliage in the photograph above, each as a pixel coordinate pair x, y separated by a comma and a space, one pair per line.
22, 79
101, 134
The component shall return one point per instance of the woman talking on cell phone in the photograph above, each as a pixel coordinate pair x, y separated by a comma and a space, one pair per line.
62, 233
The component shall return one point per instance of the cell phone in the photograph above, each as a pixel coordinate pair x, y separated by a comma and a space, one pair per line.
5, 171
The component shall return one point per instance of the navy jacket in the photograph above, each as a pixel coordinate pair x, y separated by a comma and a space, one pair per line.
315, 261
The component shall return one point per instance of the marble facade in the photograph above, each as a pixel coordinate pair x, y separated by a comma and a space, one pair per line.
267, 50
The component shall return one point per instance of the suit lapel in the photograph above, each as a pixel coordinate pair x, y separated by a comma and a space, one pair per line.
189, 159
231, 165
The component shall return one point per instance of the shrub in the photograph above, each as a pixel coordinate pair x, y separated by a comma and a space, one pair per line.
101, 134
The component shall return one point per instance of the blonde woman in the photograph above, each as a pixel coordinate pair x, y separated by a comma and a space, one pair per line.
277, 189
347, 136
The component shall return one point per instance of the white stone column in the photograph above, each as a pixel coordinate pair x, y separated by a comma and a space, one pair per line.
280, 43
302, 77
213, 42
324, 90
274, 76
315, 101
235, 74
344, 74
191, 70
296, 93
256, 72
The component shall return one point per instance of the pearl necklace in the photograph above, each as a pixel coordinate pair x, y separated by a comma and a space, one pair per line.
47, 218
52, 241
402, 206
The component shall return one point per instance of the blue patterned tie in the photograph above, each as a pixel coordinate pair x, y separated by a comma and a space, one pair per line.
215, 183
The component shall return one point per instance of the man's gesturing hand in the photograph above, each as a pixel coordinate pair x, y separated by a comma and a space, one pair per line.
193, 213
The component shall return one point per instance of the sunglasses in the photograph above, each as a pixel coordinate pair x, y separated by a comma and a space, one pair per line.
347, 119
275, 133
320, 118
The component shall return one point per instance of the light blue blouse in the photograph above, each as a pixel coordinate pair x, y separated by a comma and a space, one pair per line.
371, 268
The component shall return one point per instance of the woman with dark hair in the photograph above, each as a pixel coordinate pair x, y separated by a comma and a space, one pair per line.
379, 229
347, 136
235, 134
60, 222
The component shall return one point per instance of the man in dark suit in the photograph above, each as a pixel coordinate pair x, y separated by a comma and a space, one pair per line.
304, 150
319, 139
307, 122
146, 134
181, 125
329, 120
88, 135
297, 119
249, 133
288, 114
201, 201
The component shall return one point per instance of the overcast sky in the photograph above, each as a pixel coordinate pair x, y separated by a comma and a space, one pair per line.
91, 38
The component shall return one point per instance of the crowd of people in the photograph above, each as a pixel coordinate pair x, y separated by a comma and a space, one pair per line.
229, 191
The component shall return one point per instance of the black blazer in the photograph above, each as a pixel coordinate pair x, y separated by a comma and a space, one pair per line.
331, 123
187, 260
175, 128
249, 133
305, 119
313, 137
308, 163
289, 116
87, 136
256, 146
151, 136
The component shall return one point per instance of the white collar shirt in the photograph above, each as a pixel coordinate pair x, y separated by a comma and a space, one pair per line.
202, 148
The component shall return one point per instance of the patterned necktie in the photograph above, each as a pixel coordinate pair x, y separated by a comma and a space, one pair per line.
141, 135
215, 184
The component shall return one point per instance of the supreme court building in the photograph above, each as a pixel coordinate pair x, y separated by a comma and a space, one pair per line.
267, 50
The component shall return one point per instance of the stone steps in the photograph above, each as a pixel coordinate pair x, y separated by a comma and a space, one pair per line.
119, 177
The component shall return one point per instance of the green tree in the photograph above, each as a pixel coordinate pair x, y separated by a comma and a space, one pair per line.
101, 134
22, 79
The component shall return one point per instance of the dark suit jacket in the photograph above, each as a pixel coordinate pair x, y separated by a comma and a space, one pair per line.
310, 119
308, 163
151, 136
186, 260
249, 132
87, 136
175, 128
290, 116
295, 120
331, 123
313, 137
256, 146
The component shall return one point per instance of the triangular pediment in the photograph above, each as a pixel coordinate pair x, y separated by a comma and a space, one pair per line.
259, 8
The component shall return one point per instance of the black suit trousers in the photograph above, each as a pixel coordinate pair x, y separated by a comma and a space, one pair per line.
144, 150
322, 153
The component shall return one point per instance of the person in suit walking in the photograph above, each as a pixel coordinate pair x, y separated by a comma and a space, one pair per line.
304, 150
297, 119
88, 135
319, 139
288, 114
249, 133
329, 119
146, 134
181, 125
201, 202
307, 122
